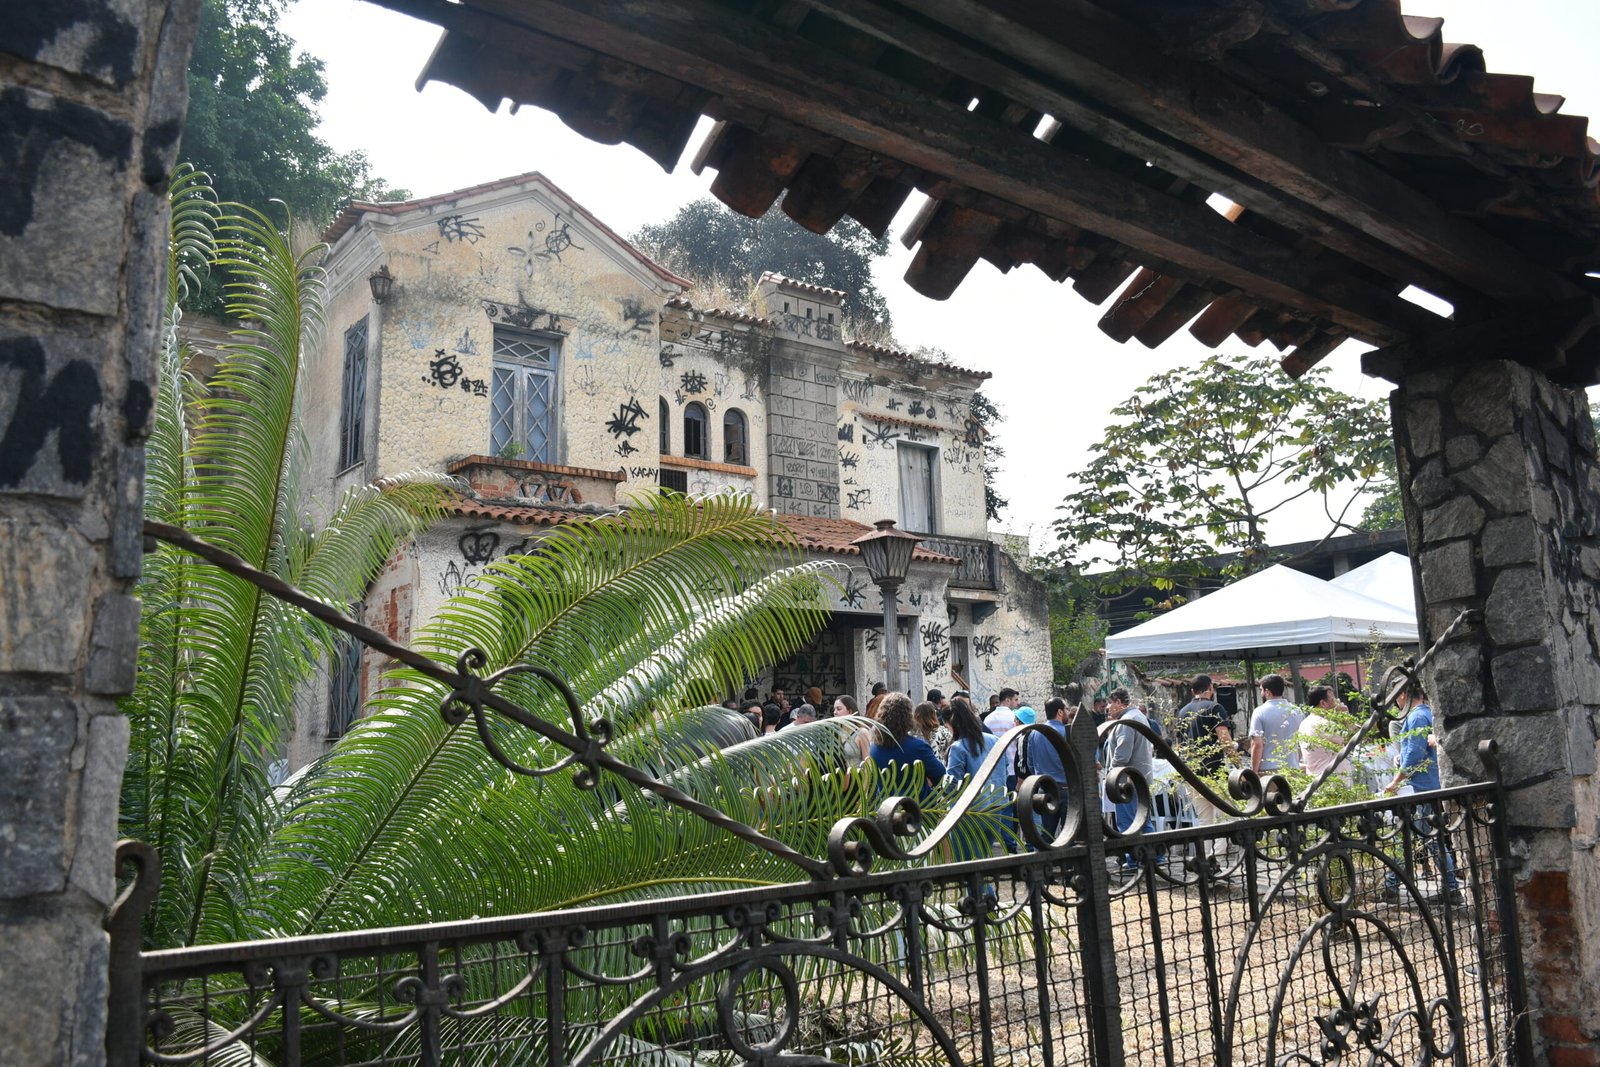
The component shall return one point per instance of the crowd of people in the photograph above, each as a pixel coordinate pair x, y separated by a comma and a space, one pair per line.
950, 740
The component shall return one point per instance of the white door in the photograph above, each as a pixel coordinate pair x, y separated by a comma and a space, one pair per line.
916, 489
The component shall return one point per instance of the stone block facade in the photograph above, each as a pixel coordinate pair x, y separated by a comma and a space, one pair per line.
1502, 494
92, 97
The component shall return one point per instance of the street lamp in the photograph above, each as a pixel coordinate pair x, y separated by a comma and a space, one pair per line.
886, 553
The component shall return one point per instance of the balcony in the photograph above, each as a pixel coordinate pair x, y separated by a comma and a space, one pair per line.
979, 563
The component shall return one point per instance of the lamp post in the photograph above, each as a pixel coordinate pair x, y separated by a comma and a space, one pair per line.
886, 553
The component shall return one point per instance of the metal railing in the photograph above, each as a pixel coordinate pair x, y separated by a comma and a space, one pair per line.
979, 566
1290, 934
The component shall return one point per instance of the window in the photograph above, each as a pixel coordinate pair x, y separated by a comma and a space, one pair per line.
677, 481
696, 431
344, 687
664, 414
916, 488
735, 448
522, 402
353, 396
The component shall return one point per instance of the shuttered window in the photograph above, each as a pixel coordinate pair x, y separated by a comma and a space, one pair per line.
916, 489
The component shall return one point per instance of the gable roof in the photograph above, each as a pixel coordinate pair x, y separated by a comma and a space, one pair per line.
352, 213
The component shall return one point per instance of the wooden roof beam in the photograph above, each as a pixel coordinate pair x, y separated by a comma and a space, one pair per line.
725, 53
1099, 56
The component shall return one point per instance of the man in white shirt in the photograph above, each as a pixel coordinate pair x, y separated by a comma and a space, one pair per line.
1001, 721
1272, 729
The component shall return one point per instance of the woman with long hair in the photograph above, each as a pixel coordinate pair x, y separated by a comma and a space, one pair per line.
858, 748
902, 747
970, 744
925, 720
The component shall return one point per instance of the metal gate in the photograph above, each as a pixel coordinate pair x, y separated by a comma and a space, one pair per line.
1383, 931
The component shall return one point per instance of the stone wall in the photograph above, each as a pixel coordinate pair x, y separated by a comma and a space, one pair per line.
1502, 496
803, 414
92, 97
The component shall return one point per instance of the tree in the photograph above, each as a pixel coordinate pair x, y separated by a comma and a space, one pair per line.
707, 241
1198, 462
987, 413
252, 116
1076, 631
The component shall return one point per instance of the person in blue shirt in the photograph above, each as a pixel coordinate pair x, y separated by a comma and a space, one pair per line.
971, 744
903, 748
1420, 769
1043, 759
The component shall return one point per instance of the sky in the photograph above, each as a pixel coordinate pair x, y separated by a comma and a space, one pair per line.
1056, 376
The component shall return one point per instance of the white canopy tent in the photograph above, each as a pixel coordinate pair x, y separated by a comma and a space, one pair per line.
1387, 578
1275, 614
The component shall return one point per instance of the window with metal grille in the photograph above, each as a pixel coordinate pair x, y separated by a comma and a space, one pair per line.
677, 481
522, 399
735, 446
696, 431
353, 396
664, 414
344, 687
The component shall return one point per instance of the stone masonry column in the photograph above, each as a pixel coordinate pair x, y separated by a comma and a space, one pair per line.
92, 98
1502, 499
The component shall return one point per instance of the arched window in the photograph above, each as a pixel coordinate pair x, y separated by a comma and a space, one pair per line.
735, 442
664, 413
696, 431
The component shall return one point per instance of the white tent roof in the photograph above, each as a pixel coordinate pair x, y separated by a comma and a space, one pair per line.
1387, 578
1277, 613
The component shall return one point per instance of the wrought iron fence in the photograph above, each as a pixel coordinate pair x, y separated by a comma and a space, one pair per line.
1383, 930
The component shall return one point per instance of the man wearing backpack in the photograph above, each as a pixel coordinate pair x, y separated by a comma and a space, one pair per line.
1210, 736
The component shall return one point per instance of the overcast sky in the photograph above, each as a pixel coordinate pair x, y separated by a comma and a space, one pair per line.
1055, 374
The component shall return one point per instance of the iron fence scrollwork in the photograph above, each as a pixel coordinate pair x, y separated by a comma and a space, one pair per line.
1382, 930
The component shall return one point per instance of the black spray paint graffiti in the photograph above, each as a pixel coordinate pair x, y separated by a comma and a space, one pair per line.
556, 239
936, 646
874, 640
847, 432
477, 546
635, 314
884, 436
586, 382
854, 592
626, 449
528, 318
858, 390
668, 354
456, 228
692, 382
895, 403
644, 472
856, 499
919, 598
625, 423
65, 406
848, 459
916, 408
828, 494
444, 370
988, 647
451, 581
972, 434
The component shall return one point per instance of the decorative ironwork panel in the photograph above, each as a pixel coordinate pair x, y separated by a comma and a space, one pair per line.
977, 568
1379, 932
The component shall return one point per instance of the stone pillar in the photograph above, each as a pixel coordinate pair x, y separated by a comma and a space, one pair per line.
92, 97
1502, 499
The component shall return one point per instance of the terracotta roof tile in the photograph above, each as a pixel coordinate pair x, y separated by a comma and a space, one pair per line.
522, 514
804, 287
885, 352
835, 535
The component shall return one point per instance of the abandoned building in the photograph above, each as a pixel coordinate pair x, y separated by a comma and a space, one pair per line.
524, 347
1360, 153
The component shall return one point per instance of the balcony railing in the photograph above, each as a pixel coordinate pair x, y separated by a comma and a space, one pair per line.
979, 566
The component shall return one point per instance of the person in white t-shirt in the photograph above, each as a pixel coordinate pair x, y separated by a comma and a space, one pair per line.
1319, 745
1272, 728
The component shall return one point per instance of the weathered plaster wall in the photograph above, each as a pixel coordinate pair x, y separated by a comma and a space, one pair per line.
92, 97
718, 363
1502, 496
879, 409
519, 256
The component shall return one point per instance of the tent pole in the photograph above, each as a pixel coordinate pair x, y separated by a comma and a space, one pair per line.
1297, 681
